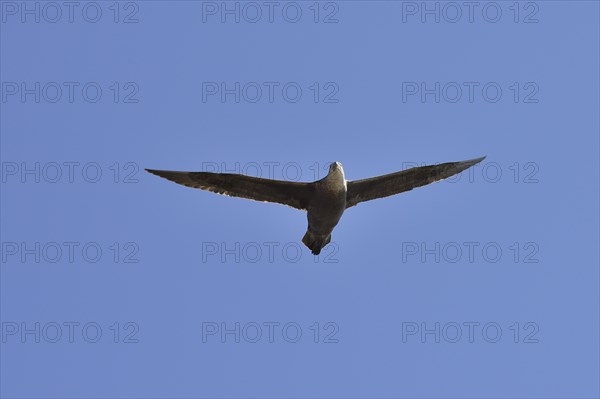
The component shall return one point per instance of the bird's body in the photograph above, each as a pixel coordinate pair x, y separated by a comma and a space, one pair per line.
327, 208
324, 200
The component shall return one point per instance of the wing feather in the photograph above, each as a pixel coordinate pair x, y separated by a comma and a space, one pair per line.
395, 183
294, 194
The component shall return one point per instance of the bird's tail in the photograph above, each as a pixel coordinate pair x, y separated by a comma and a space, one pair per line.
314, 242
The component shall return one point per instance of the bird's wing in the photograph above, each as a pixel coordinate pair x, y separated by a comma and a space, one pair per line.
395, 183
294, 194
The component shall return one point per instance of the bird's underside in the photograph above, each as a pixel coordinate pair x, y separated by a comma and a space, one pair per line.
325, 200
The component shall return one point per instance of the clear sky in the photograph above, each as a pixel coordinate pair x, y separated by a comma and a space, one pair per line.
116, 283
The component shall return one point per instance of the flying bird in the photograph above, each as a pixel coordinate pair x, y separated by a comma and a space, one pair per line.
324, 200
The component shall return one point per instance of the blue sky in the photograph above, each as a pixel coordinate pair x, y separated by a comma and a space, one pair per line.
484, 286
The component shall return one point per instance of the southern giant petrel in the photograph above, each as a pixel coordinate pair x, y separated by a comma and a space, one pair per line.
325, 200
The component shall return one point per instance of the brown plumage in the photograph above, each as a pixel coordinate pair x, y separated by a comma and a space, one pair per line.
324, 200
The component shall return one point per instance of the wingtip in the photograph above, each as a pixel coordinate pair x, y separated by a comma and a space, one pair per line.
159, 173
476, 160
462, 165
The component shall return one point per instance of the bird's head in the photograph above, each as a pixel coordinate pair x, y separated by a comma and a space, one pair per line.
335, 166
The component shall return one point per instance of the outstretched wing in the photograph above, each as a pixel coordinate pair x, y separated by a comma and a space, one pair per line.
296, 195
395, 183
